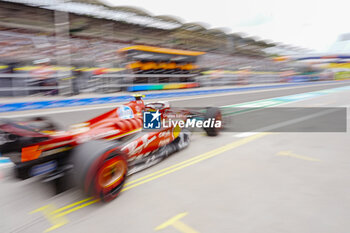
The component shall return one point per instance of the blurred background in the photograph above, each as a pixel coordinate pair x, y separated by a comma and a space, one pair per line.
66, 61
61, 47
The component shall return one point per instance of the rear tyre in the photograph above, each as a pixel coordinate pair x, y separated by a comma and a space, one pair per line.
61, 184
99, 169
212, 113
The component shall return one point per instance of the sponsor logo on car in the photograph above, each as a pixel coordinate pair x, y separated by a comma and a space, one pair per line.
136, 147
125, 112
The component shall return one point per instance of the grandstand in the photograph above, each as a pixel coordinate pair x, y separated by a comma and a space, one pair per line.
28, 32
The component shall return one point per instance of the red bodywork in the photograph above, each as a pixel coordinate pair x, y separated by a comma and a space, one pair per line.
112, 125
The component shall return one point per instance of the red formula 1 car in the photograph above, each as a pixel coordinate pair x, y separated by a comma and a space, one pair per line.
96, 155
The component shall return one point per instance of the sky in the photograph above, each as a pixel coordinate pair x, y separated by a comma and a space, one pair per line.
309, 24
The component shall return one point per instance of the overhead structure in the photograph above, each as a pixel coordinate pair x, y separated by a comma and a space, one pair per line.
127, 24
131, 9
95, 9
169, 18
197, 27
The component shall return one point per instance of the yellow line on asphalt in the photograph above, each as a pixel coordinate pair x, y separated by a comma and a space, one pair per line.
291, 154
170, 221
77, 208
48, 212
71, 205
177, 224
57, 213
55, 227
186, 163
184, 228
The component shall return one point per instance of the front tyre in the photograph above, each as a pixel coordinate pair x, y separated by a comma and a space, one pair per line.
213, 113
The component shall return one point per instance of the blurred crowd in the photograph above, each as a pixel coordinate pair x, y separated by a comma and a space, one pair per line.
238, 62
70, 43
22, 46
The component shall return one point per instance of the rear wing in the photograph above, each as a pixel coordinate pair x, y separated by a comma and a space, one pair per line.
16, 128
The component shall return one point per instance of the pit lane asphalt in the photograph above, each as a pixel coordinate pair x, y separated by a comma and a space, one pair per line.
284, 182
